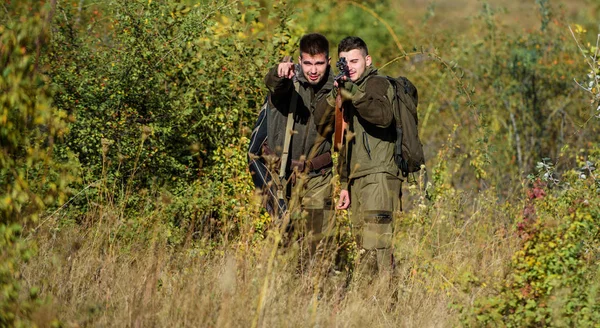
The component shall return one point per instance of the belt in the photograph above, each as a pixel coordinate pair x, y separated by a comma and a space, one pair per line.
315, 166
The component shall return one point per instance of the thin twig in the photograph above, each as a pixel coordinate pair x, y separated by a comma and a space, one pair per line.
63, 206
581, 49
387, 26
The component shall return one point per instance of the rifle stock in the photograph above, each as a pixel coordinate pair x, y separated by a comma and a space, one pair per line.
339, 123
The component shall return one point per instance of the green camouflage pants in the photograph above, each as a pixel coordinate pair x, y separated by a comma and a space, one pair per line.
316, 220
373, 200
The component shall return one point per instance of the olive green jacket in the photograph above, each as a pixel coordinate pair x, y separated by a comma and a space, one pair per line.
370, 138
308, 141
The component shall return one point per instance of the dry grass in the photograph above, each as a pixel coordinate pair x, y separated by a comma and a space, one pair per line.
138, 280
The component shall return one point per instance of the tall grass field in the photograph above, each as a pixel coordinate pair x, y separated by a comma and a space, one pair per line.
126, 201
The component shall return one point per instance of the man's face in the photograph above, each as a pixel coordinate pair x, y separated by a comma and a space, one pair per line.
357, 62
314, 67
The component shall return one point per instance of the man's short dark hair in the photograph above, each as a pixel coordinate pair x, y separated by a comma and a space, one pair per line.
314, 44
351, 43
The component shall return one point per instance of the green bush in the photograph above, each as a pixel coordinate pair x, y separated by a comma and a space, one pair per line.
155, 86
32, 177
553, 276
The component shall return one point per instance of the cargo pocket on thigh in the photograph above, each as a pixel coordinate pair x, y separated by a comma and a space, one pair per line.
394, 192
377, 230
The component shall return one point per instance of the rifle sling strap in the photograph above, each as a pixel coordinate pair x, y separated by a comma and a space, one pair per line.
338, 134
288, 136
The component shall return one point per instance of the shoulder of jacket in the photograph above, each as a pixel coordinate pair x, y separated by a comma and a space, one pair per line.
379, 81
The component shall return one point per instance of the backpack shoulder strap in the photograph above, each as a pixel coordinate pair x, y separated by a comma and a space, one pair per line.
395, 99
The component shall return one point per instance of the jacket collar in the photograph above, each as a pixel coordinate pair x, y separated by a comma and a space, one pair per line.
371, 70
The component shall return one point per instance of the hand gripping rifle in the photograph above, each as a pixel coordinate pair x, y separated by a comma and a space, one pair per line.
340, 123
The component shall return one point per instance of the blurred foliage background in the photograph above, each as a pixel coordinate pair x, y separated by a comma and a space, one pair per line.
126, 124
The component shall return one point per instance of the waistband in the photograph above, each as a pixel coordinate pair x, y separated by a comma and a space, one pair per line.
315, 166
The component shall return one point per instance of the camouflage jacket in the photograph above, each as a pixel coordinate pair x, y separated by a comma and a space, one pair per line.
308, 141
369, 139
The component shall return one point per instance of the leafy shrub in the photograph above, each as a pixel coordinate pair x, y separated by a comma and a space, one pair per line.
32, 178
156, 87
220, 202
553, 276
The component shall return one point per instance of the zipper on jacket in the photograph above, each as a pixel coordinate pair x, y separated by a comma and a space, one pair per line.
366, 143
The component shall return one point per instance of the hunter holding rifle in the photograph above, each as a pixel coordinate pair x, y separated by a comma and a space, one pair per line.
370, 179
297, 149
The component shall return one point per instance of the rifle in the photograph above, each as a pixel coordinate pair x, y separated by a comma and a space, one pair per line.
340, 122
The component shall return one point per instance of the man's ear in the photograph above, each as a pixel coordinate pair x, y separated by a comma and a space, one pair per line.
329, 61
368, 60
300, 59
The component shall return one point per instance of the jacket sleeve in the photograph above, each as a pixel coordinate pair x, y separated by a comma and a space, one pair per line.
324, 114
371, 101
279, 87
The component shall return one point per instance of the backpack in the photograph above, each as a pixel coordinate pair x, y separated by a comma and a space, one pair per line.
261, 176
408, 152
